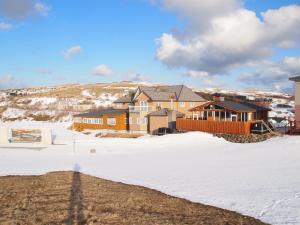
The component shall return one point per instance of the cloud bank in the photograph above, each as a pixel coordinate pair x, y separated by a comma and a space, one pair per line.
21, 9
221, 35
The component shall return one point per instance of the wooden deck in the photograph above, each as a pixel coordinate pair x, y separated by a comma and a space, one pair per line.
225, 127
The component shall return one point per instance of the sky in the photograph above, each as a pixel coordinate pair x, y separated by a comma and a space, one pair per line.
230, 44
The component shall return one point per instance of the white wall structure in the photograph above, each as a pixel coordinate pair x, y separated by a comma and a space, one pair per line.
6, 135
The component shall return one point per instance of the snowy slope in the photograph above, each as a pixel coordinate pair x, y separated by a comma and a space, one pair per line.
260, 180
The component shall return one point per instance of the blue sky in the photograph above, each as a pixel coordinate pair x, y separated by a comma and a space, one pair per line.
124, 36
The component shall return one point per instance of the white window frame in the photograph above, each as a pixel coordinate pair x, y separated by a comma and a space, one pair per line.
144, 106
130, 120
111, 121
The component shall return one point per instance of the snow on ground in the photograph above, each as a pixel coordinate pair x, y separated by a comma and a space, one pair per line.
87, 93
13, 113
260, 180
42, 100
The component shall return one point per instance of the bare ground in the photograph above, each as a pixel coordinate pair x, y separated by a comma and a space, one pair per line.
75, 198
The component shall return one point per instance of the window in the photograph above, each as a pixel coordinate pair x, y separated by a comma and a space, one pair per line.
130, 120
119, 105
111, 121
158, 105
98, 121
182, 104
144, 121
192, 104
144, 106
85, 120
126, 120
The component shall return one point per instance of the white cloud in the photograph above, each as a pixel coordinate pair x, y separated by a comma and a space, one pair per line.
16, 9
197, 74
41, 8
102, 70
222, 34
5, 26
73, 51
273, 75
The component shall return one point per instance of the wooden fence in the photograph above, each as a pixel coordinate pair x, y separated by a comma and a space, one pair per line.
223, 127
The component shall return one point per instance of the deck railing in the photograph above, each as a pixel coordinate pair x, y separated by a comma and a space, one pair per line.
226, 127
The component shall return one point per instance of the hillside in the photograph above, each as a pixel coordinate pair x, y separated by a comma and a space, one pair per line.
59, 103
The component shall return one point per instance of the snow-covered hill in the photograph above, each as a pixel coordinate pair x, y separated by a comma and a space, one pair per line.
59, 103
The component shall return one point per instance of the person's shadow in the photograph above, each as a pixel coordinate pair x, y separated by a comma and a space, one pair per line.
76, 215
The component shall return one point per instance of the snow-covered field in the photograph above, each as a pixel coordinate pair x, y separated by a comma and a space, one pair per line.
260, 180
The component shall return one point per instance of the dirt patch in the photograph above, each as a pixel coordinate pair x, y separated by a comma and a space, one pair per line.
75, 198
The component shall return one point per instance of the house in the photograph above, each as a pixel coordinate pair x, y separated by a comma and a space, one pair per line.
296, 124
147, 102
106, 119
229, 117
144, 111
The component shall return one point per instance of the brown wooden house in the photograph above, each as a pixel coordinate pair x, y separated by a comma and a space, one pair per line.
106, 119
227, 117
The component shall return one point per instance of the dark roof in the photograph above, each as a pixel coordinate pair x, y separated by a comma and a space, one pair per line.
164, 112
100, 113
178, 92
234, 106
296, 79
256, 107
125, 99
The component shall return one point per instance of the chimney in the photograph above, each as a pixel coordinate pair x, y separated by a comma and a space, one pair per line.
218, 98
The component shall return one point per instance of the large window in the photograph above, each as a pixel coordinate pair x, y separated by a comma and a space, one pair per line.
111, 121
144, 106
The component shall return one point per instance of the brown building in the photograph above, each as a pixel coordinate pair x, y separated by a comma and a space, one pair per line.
297, 102
107, 119
148, 100
227, 117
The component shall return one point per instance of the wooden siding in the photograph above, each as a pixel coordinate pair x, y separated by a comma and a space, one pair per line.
225, 127
120, 123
